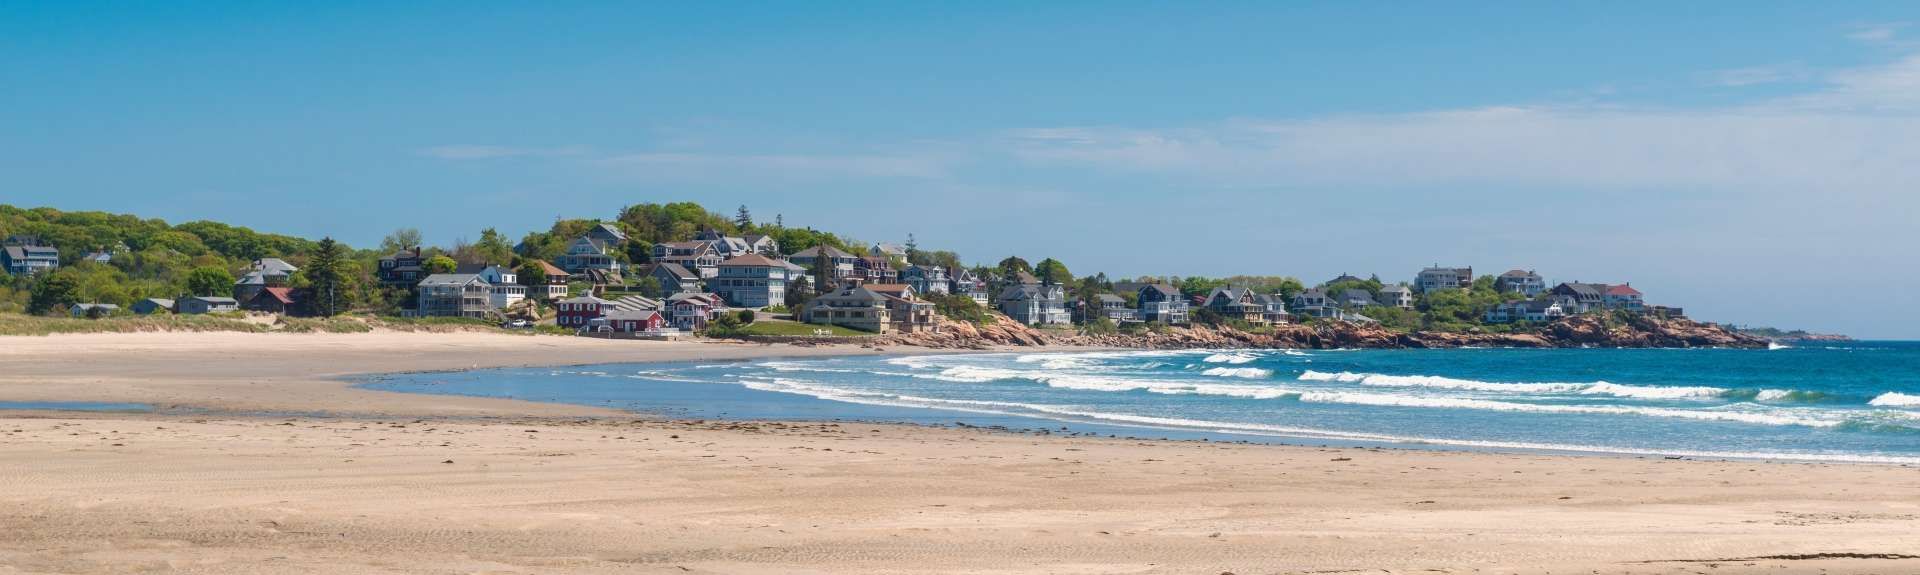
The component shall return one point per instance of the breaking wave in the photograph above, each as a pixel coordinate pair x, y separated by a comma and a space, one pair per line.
1247, 372
1895, 399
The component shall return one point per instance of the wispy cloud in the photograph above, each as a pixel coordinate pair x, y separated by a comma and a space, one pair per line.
781, 165
481, 152
1758, 75
1878, 32
1851, 133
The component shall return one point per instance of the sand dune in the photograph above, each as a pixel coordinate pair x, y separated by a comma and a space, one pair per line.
393, 483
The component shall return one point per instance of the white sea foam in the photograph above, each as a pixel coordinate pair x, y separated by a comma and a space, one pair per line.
1772, 394
1234, 358
1247, 372
1069, 413
1595, 388
1895, 399
1392, 400
1344, 376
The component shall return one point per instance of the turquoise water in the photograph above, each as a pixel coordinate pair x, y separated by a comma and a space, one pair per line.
1855, 401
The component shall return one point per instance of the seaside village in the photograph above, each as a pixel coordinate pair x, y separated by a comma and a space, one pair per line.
716, 283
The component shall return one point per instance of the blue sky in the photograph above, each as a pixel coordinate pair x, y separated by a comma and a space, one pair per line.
1755, 162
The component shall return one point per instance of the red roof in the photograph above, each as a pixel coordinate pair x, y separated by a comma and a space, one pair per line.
284, 294
1622, 290
548, 269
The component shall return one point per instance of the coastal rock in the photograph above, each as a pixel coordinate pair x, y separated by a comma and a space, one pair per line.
1577, 331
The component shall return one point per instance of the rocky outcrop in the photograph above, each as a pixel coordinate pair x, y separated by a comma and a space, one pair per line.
1578, 331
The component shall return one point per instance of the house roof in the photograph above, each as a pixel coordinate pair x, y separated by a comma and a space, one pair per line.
212, 299
814, 252
1164, 289
584, 299
1343, 278
897, 290
856, 294
284, 295
1025, 278
1023, 291
692, 295
1519, 274
1583, 290
451, 279
750, 260
1395, 288
676, 270
634, 302
550, 270
632, 314
162, 302
252, 278
1355, 293
608, 229
1622, 290
890, 249
274, 266
1107, 297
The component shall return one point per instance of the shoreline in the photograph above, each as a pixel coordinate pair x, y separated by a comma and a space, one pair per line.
387, 482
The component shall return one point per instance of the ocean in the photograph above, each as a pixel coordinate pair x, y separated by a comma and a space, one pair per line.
1845, 401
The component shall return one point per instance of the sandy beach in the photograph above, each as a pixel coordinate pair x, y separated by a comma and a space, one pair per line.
260, 461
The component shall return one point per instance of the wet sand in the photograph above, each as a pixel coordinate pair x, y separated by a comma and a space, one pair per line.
361, 481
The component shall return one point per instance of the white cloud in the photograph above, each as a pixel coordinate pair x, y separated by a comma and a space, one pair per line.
727, 166
1854, 133
1759, 75
1877, 33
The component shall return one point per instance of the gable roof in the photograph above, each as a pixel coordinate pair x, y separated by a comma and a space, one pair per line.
815, 251
1622, 290
274, 266
284, 295
1164, 289
211, 299
896, 290
1110, 298
549, 269
678, 272
608, 229
750, 260
1356, 293
451, 279
1395, 288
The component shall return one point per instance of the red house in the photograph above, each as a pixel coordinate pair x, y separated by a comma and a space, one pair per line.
629, 321
576, 312
276, 299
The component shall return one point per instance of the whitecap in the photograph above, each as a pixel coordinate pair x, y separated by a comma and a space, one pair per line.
1895, 399
1235, 358
1247, 372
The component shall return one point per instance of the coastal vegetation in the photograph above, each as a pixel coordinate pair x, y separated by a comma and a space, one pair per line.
122, 259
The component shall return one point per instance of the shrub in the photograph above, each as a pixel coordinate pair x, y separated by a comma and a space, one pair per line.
745, 316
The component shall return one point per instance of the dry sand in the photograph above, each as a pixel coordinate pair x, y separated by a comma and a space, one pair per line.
396, 483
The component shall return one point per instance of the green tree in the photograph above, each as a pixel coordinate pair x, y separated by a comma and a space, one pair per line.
400, 239
209, 281
493, 248
1051, 271
440, 264
649, 286
1014, 265
56, 289
742, 219
332, 279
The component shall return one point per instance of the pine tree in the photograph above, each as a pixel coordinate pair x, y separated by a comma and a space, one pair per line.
779, 221
330, 277
742, 219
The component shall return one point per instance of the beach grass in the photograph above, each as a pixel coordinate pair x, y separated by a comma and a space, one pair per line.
769, 327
